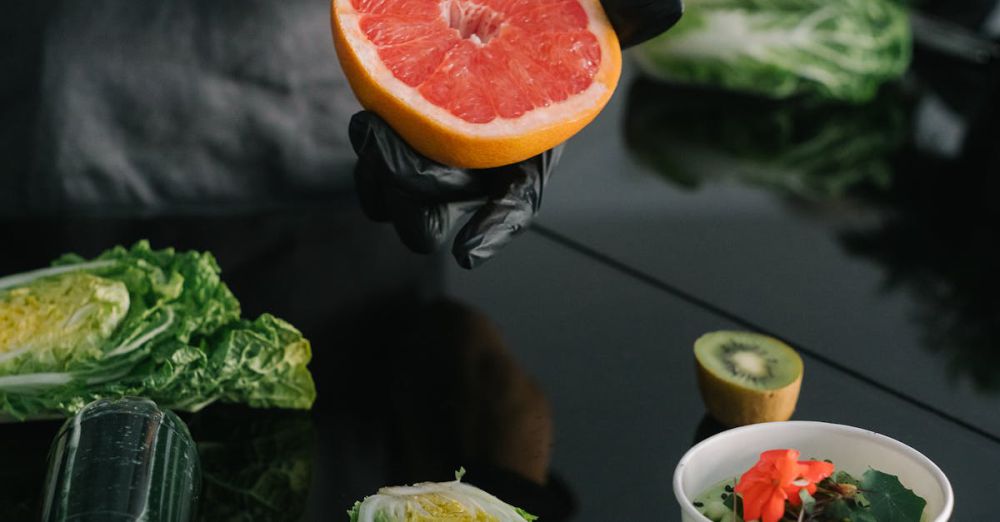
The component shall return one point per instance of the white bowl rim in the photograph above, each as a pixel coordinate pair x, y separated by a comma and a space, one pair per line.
942, 479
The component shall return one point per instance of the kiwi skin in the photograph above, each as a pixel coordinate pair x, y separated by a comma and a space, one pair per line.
734, 405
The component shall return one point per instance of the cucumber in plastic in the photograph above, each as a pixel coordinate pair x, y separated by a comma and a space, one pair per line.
122, 460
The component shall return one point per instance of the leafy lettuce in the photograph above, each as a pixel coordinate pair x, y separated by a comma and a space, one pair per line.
159, 324
780, 48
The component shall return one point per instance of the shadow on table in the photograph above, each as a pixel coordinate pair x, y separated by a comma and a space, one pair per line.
937, 242
432, 389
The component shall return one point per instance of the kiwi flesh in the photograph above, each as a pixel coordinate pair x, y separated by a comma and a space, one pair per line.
747, 378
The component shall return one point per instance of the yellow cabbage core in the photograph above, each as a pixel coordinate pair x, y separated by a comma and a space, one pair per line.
436, 507
61, 313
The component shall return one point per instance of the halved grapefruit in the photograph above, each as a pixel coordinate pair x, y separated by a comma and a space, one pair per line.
479, 83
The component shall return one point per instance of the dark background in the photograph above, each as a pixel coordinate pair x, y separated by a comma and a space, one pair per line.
571, 352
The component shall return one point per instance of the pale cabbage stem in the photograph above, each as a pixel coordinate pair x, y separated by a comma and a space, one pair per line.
193, 406
31, 381
78, 315
126, 348
35, 380
27, 277
105, 378
14, 353
49, 380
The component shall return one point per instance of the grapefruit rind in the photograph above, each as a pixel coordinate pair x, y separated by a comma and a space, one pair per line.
448, 139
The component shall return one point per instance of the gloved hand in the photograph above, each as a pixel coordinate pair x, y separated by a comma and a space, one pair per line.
636, 21
425, 200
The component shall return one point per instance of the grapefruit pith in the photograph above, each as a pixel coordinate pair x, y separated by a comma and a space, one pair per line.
479, 83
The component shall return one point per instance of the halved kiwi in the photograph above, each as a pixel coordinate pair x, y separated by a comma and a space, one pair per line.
747, 378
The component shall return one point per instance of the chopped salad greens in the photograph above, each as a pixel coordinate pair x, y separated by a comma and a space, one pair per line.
781, 488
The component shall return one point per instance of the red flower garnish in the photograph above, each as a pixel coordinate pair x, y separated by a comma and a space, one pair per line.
776, 478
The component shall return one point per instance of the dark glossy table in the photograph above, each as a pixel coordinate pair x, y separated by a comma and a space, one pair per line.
561, 374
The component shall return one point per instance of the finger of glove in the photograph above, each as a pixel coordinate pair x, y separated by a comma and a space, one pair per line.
636, 21
375, 142
423, 227
497, 222
492, 227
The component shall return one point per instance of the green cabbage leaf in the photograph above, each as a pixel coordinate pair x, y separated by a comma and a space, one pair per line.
840, 49
158, 324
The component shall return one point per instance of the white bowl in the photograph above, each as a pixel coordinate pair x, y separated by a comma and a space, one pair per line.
854, 450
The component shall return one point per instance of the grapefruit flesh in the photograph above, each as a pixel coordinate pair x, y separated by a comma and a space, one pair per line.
479, 83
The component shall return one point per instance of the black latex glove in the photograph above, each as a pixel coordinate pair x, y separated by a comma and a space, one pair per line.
425, 199
636, 21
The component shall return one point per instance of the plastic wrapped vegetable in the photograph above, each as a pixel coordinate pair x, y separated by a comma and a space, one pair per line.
842, 49
158, 324
454, 501
121, 461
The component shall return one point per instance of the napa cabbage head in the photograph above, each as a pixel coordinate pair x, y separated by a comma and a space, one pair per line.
159, 324
433, 501
839, 50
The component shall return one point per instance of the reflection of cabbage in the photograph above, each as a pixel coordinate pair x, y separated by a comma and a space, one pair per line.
256, 465
454, 501
841, 49
797, 147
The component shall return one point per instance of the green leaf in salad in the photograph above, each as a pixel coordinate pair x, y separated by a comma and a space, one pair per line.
808, 502
840, 498
890, 500
846, 511
140, 322
781, 48
843, 477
